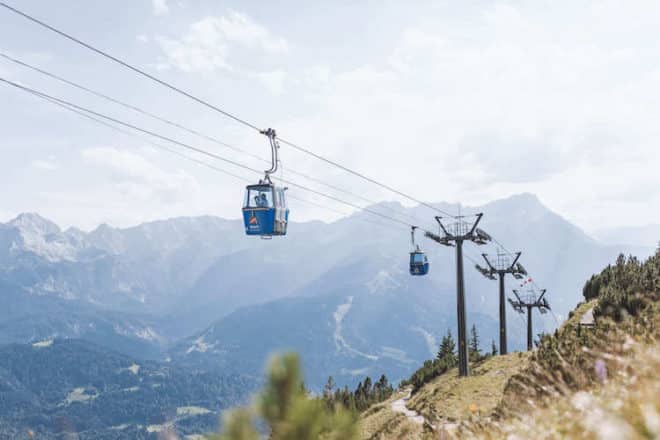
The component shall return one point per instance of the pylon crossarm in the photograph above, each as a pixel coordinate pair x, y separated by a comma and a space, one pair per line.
545, 304
541, 296
485, 272
515, 260
485, 257
442, 226
515, 292
482, 235
474, 226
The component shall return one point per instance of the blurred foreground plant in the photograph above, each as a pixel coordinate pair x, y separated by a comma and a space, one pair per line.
287, 411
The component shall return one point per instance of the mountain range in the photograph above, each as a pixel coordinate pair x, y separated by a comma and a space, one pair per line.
197, 292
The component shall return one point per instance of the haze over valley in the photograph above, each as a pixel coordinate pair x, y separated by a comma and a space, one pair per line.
187, 290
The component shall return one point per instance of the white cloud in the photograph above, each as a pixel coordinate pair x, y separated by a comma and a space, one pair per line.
160, 7
316, 75
219, 43
239, 28
456, 101
47, 165
509, 101
140, 179
273, 81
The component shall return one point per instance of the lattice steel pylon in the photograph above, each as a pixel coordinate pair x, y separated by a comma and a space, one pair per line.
529, 299
504, 263
454, 235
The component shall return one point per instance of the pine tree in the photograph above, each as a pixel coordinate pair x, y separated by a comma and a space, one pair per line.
358, 389
493, 348
329, 387
384, 388
328, 393
348, 399
473, 344
366, 388
443, 347
447, 352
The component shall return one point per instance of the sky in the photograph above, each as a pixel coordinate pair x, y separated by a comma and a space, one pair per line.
449, 101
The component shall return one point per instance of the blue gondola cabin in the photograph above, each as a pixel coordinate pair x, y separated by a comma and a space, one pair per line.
419, 263
265, 210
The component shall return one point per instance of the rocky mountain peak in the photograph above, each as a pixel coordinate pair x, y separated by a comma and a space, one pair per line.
33, 223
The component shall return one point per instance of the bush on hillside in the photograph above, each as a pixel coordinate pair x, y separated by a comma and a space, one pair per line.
574, 357
626, 287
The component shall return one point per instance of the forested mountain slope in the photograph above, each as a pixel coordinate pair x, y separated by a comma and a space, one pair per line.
71, 387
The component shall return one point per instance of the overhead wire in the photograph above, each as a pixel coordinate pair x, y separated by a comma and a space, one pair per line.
216, 108
189, 130
198, 150
194, 160
128, 66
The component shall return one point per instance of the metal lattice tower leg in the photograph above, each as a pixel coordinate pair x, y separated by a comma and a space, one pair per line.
503, 347
529, 329
463, 368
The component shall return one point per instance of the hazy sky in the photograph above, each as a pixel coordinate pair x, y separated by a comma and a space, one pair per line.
450, 101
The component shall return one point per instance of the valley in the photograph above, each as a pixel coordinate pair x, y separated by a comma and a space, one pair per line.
55, 388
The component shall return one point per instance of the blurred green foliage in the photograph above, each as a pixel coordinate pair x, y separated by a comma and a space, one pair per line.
287, 411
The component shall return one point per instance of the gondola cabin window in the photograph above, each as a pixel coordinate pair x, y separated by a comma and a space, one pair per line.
259, 198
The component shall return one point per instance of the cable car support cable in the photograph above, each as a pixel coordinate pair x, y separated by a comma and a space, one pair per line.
195, 149
197, 161
214, 107
190, 130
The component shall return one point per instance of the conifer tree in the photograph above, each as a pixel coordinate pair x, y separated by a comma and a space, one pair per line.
382, 388
493, 348
441, 352
447, 352
329, 388
329, 394
366, 388
473, 344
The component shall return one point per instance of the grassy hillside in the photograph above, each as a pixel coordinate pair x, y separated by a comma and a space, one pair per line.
382, 422
445, 401
448, 398
625, 406
597, 381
